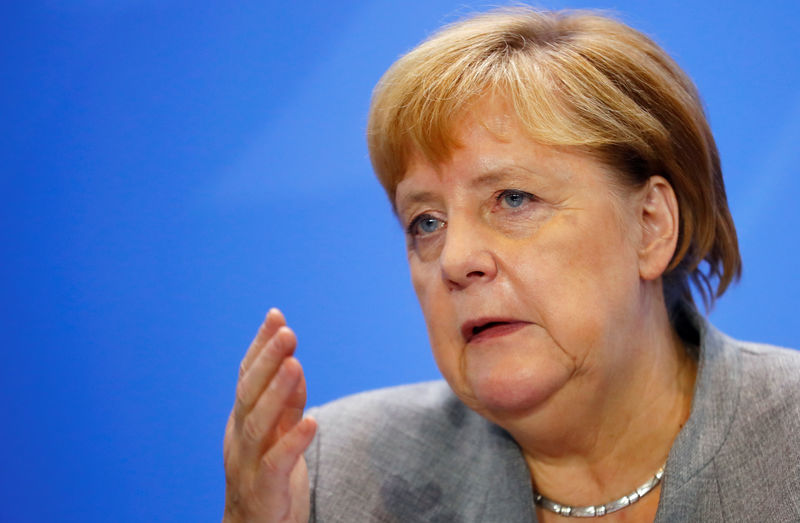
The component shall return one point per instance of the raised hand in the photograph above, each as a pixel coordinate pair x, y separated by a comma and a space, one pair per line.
265, 472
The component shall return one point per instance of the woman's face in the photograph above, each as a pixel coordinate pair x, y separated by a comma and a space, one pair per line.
524, 260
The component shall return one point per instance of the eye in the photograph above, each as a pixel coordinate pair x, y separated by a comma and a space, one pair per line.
511, 199
424, 224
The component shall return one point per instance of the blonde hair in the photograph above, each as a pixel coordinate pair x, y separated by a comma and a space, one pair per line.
573, 79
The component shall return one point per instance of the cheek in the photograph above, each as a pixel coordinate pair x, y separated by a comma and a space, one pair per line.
593, 248
420, 279
428, 288
440, 321
579, 276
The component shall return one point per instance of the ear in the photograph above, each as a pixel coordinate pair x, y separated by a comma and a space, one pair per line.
659, 221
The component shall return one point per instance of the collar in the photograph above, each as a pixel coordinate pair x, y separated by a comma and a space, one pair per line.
716, 397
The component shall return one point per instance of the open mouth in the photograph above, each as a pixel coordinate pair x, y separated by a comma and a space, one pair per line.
479, 330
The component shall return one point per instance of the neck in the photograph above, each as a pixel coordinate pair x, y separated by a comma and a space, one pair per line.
604, 435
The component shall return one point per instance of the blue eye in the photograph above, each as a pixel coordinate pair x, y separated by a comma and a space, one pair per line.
424, 224
513, 199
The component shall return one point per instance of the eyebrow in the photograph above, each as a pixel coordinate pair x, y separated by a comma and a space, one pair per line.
499, 176
417, 197
490, 178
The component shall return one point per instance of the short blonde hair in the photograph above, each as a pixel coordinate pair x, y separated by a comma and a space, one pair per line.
573, 78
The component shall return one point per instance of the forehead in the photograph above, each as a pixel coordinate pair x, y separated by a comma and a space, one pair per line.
484, 165
492, 148
436, 147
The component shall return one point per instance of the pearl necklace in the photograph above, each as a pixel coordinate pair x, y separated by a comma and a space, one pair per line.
591, 511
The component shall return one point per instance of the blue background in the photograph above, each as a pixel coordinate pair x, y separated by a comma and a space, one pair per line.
171, 169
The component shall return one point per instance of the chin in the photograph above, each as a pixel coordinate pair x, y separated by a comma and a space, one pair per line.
513, 389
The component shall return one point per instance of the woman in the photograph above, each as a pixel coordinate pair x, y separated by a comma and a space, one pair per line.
560, 188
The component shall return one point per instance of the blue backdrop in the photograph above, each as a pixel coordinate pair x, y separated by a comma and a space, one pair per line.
171, 169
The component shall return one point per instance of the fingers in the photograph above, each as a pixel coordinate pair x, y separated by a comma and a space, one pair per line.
258, 427
278, 462
262, 370
273, 320
293, 411
266, 434
278, 485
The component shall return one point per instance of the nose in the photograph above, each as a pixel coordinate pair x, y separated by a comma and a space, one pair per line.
466, 258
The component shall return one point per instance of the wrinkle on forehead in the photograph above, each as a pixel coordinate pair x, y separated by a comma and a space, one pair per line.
493, 118
493, 113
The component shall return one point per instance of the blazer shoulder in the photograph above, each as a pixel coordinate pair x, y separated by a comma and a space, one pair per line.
396, 422
412, 453
770, 376
418, 399
761, 455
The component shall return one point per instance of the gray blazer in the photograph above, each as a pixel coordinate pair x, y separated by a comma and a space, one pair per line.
416, 453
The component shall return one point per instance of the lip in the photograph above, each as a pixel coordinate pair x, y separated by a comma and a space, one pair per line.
480, 329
